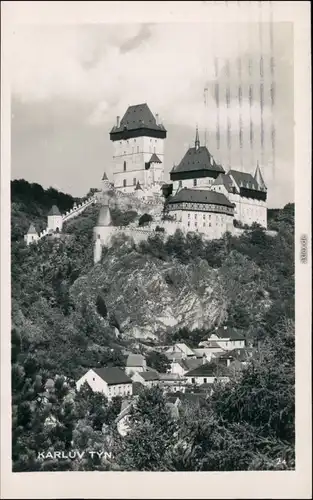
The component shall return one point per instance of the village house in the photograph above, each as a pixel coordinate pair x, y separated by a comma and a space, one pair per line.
110, 381
182, 366
172, 382
148, 378
123, 419
225, 337
207, 374
135, 363
179, 351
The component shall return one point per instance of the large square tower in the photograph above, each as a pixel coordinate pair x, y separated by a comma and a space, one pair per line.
138, 141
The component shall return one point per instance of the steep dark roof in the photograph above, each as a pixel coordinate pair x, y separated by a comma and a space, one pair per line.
228, 332
245, 180
135, 360
138, 186
190, 364
104, 177
54, 211
113, 375
197, 159
208, 369
225, 180
154, 159
149, 376
200, 196
138, 116
32, 229
259, 178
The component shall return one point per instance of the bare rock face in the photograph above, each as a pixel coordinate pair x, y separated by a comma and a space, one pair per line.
149, 297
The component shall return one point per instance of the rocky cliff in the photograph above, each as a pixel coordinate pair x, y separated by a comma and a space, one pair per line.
150, 297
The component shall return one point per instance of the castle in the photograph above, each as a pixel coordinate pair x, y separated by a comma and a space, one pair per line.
201, 197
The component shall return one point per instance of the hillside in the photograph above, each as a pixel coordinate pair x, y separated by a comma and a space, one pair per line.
69, 315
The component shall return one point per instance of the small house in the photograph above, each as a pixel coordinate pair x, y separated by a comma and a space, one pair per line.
111, 382
135, 363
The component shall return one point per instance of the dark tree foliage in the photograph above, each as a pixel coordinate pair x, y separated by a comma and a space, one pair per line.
145, 219
247, 424
158, 361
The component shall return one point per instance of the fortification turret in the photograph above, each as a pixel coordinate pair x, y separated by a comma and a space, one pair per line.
31, 236
55, 220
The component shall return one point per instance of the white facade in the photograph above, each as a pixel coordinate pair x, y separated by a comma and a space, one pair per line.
129, 158
205, 379
131, 370
147, 383
247, 210
31, 238
55, 222
199, 183
212, 224
97, 384
227, 343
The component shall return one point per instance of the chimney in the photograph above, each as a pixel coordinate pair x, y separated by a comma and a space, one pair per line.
157, 118
117, 121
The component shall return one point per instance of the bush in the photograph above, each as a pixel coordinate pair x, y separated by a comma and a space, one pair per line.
145, 219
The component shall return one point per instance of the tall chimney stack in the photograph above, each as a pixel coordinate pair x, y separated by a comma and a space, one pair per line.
117, 121
157, 118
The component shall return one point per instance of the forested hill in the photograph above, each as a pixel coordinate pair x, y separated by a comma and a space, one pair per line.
69, 315
30, 202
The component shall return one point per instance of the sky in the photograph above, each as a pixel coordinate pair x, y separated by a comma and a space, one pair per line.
69, 82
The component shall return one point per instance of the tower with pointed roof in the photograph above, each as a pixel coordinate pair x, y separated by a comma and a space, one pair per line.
197, 169
138, 141
31, 236
55, 220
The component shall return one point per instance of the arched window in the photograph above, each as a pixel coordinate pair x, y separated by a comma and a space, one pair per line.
124, 183
124, 166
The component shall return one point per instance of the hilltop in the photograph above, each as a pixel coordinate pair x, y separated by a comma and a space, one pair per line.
150, 290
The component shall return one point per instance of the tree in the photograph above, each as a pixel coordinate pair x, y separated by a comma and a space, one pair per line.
152, 433
145, 219
158, 361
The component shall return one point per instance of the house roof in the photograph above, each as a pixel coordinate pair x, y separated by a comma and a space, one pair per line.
197, 158
135, 360
32, 229
112, 375
204, 196
149, 375
154, 159
224, 332
207, 369
190, 364
245, 180
54, 211
226, 181
138, 116
104, 177
174, 355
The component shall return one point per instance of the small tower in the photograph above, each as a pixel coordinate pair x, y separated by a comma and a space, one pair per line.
259, 178
139, 193
105, 183
103, 229
31, 236
55, 220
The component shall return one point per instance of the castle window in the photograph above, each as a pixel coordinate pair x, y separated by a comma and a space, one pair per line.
124, 166
209, 224
203, 216
188, 216
134, 181
124, 183
195, 216
195, 182
188, 223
